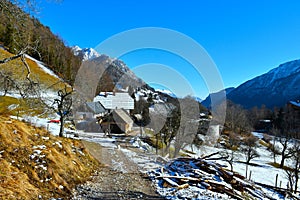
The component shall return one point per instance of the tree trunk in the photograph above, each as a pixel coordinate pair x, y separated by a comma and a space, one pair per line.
282, 162
61, 130
246, 171
296, 182
156, 137
296, 172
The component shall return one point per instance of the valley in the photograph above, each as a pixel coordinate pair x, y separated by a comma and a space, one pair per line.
77, 123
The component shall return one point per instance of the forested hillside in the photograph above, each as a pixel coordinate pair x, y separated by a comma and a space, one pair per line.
20, 31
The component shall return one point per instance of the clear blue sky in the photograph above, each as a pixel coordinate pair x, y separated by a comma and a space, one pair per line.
244, 38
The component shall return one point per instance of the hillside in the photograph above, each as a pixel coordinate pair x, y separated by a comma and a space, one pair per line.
274, 88
110, 73
35, 164
20, 31
39, 72
217, 96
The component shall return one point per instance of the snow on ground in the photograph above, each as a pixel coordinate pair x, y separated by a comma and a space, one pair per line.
147, 161
262, 173
53, 128
43, 67
98, 138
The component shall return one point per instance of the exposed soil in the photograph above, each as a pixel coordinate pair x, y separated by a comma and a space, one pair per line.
117, 178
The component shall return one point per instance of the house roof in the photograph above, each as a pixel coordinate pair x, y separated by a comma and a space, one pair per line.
297, 104
121, 115
112, 100
95, 107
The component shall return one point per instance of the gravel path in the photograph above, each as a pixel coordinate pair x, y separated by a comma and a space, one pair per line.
118, 178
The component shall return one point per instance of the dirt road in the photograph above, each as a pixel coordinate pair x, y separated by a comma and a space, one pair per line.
118, 178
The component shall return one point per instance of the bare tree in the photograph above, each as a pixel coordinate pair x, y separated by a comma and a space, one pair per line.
293, 174
13, 14
232, 145
275, 151
6, 83
64, 104
249, 148
236, 117
286, 152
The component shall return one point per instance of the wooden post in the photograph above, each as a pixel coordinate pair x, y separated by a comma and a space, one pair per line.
280, 184
276, 179
250, 175
246, 171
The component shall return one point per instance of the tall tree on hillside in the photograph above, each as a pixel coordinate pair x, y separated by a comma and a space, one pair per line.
187, 131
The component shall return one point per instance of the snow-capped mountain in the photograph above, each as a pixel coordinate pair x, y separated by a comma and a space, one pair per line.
85, 53
274, 88
165, 91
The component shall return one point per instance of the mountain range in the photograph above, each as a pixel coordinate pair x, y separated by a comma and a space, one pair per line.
272, 89
114, 73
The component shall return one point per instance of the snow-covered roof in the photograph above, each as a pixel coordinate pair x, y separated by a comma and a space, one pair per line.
295, 103
112, 101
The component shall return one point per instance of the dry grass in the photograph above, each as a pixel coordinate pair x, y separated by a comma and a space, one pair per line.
263, 143
18, 107
19, 72
277, 165
33, 162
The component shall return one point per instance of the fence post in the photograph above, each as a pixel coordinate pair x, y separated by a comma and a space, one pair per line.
280, 184
276, 179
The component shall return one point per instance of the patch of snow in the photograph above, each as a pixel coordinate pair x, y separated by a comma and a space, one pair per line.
39, 147
86, 53
43, 67
165, 91
58, 143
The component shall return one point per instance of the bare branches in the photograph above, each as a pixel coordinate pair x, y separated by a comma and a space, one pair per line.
64, 104
6, 60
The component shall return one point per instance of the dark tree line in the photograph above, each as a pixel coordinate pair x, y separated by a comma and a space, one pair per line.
19, 30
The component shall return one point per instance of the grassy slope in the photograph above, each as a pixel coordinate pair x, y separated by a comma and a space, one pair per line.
18, 70
33, 162
27, 168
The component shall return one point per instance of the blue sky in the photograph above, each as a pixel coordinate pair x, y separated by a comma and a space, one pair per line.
244, 38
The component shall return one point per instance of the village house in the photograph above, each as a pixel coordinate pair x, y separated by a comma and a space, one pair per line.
118, 121
117, 107
294, 107
115, 100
